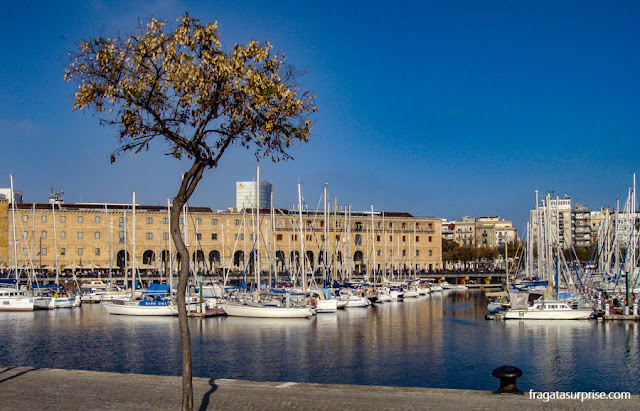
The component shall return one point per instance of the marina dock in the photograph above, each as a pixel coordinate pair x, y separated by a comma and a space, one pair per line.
56, 389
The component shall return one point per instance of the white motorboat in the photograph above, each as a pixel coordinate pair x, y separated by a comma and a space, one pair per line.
547, 310
12, 299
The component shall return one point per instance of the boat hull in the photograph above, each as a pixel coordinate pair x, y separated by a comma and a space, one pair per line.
140, 310
16, 304
327, 306
240, 310
547, 315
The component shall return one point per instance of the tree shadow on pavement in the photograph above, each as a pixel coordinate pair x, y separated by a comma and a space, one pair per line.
15, 375
207, 395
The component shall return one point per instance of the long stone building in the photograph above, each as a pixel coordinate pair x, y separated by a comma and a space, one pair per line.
102, 236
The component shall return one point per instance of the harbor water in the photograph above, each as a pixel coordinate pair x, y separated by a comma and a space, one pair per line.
438, 341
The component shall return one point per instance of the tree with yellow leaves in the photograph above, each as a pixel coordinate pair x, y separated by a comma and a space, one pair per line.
181, 87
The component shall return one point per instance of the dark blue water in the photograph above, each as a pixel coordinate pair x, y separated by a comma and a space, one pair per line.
436, 341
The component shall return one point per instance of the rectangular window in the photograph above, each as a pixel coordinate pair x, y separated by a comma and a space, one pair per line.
97, 251
199, 236
25, 234
80, 219
404, 253
214, 236
214, 221
309, 237
278, 237
63, 219
430, 253
391, 238
237, 222
121, 237
165, 220
97, 220
63, 235
25, 251
429, 238
44, 251
79, 235
97, 235
79, 251
149, 220
181, 221
165, 236
391, 253
404, 238
417, 239
25, 218
44, 234
379, 252
149, 236
337, 238
198, 221
44, 218
377, 238
121, 222
417, 253
294, 237
63, 251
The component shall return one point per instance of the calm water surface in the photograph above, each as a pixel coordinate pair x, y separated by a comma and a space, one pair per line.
439, 341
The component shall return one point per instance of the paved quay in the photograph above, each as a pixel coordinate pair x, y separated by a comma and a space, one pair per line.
55, 389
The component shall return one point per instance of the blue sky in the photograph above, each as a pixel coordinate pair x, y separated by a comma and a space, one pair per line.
438, 108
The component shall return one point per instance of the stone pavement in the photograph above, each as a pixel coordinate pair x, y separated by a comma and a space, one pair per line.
54, 389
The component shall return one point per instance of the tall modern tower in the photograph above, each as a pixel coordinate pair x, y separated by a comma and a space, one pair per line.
246, 194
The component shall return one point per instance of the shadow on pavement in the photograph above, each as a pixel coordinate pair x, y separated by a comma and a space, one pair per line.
207, 395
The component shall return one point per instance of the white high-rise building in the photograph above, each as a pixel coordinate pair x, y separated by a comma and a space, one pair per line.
6, 193
246, 194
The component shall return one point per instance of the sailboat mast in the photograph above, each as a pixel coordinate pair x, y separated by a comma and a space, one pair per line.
373, 245
170, 248
55, 242
257, 225
15, 245
304, 274
133, 246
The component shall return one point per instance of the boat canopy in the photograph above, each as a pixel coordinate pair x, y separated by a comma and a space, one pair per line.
157, 290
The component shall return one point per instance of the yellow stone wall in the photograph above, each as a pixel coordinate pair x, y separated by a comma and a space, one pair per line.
91, 238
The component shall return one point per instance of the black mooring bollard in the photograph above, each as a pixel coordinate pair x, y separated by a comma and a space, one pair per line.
507, 375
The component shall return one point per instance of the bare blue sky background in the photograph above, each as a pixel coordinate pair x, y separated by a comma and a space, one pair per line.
438, 108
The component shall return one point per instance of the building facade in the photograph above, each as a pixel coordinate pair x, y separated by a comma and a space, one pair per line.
103, 236
488, 232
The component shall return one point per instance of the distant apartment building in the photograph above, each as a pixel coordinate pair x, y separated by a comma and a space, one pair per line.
489, 232
556, 214
581, 226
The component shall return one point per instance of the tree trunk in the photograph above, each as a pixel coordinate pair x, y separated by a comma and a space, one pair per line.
187, 186
183, 276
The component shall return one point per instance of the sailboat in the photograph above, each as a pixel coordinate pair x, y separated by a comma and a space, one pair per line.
12, 298
154, 302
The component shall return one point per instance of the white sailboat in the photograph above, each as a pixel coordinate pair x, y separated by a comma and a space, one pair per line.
12, 298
